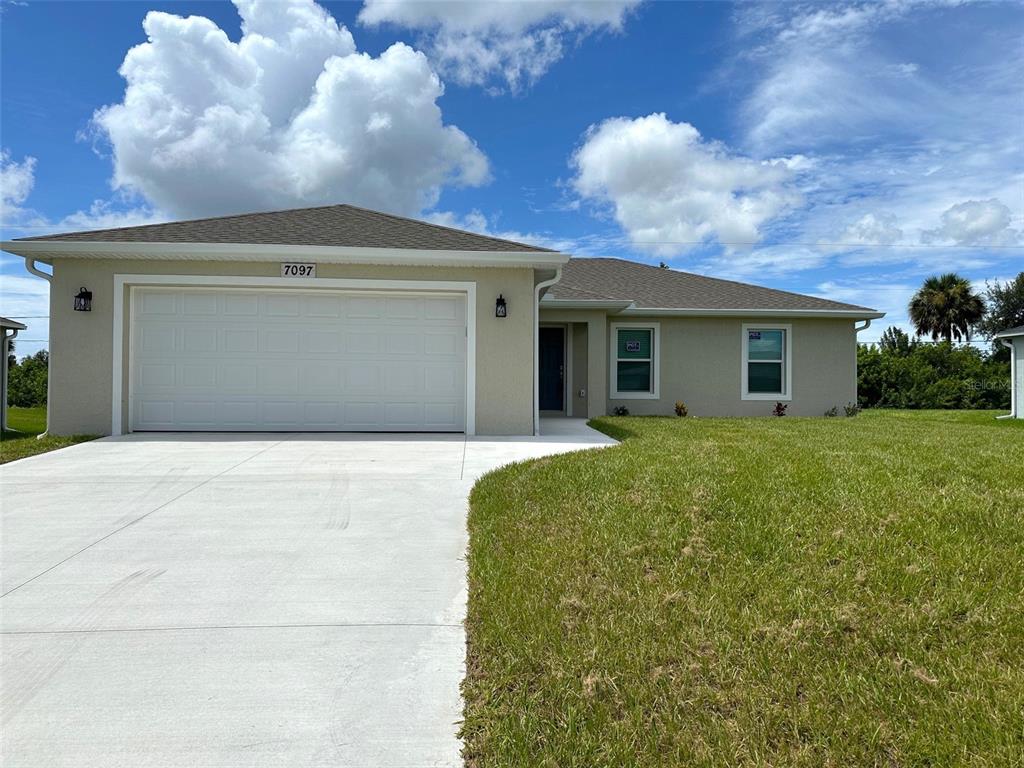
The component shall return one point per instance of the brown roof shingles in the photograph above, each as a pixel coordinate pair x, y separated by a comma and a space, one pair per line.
655, 288
332, 225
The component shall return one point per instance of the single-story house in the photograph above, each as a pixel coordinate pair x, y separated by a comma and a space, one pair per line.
9, 328
1014, 339
340, 318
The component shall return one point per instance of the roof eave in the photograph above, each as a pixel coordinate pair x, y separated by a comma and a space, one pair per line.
851, 314
47, 250
1010, 334
609, 304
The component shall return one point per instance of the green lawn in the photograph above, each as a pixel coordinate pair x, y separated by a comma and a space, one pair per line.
24, 424
772, 592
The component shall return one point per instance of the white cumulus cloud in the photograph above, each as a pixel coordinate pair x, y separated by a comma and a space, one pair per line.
476, 43
870, 229
670, 189
974, 222
16, 181
289, 115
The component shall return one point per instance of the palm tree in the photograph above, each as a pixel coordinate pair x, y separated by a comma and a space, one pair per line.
946, 306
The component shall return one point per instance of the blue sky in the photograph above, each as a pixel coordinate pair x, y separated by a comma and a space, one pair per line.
844, 149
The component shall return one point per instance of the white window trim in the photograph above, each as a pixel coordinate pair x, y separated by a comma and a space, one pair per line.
787, 361
613, 372
286, 283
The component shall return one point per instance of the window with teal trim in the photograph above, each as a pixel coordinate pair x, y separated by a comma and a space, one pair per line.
634, 360
766, 349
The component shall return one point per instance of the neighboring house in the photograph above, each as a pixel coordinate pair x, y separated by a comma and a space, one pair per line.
339, 318
9, 329
1014, 339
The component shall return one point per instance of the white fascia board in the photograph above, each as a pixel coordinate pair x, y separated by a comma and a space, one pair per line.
1008, 335
46, 250
852, 314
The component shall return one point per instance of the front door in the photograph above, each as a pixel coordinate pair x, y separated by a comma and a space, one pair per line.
552, 369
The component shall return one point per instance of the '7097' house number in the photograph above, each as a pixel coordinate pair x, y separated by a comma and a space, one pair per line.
296, 269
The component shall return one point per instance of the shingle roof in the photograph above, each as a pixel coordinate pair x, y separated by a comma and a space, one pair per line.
655, 288
1018, 331
332, 225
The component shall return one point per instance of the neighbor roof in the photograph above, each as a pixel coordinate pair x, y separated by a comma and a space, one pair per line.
649, 287
1018, 331
13, 324
331, 225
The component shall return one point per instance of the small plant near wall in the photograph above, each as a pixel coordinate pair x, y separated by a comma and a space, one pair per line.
832, 412
620, 410
851, 409
681, 409
780, 409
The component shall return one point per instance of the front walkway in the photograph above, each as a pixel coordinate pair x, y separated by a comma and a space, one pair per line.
233, 600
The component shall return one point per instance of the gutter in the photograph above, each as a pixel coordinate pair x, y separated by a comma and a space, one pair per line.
30, 265
536, 346
627, 307
48, 250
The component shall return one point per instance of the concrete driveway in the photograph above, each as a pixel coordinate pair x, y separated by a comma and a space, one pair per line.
230, 600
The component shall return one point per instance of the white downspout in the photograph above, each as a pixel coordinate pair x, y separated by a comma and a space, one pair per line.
30, 265
1013, 384
536, 346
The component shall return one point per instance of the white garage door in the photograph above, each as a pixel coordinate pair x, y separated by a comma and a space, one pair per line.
283, 360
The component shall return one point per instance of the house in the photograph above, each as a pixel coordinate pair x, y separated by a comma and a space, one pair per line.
341, 318
9, 329
1013, 338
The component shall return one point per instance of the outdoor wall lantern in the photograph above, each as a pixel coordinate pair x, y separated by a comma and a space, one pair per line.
500, 308
83, 301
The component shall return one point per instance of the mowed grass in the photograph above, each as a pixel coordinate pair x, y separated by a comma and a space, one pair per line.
776, 592
20, 439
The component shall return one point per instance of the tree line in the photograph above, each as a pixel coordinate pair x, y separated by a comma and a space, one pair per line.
904, 372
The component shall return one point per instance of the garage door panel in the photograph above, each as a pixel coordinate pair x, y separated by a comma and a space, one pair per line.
154, 303
279, 341
205, 359
200, 303
199, 376
198, 340
281, 305
365, 307
240, 340
241, 304
322, 342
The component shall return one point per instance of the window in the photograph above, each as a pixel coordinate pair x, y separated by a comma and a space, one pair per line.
766, 362
634, 360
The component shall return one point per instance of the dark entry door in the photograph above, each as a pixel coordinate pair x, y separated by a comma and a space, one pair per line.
552, 369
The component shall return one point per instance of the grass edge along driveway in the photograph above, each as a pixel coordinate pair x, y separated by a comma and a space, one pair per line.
20, 440
718, 592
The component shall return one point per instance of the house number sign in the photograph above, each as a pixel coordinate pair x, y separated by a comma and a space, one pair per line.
632, 346
296, 269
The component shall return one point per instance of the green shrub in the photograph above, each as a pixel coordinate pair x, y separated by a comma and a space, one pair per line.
919, 375
26, 381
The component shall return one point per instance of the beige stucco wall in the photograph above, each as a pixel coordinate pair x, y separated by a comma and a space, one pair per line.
81, 344
701, 362
580, 403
